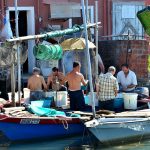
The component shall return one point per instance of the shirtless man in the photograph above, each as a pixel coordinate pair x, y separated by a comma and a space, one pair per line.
55, 80
74, 79
36, 81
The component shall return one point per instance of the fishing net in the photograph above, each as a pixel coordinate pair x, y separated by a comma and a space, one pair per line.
144, 17
8, 54
48, 52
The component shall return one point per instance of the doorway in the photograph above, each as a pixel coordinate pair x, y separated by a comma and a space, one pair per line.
124, 19
22, 27
27, 27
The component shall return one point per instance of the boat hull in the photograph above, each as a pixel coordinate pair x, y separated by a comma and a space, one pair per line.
16, 129
121, 130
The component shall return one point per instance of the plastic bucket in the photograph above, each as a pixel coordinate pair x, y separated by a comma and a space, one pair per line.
16, 96
46, 103
118, 103
51, 94
61, 98
36, 95
26, 93
130, 100
88, 99
142, 90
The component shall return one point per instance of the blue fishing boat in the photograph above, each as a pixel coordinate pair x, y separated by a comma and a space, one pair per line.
26, 128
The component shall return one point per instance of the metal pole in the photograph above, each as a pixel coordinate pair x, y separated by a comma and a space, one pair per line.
85, 59
96, 36
86, 11
127, 48
18, 51
88, 56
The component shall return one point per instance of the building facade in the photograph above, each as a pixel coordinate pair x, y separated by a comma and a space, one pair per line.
117, 17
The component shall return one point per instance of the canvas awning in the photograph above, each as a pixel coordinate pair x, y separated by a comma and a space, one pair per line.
76, 44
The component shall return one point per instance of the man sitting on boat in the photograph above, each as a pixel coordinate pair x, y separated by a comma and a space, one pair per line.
127, 79
36, 81
74, 79
55, 80
107, 88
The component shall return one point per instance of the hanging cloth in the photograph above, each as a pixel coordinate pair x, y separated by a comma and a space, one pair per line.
144, 17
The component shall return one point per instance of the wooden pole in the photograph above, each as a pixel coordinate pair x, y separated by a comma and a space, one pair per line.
31, 37
88, 56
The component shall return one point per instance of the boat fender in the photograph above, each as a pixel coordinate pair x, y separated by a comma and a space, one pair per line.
92, 123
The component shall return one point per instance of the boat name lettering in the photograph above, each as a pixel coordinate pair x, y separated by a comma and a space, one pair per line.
30, 121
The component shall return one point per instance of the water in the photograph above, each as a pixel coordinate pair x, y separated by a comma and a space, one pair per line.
75, 143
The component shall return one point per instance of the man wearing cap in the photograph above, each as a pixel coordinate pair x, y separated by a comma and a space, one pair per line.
36, 81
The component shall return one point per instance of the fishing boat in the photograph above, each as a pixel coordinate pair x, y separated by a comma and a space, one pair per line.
121, 127
19, 125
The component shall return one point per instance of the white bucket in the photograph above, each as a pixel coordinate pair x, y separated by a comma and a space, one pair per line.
16, 96
26, 93
61, 98
130, 100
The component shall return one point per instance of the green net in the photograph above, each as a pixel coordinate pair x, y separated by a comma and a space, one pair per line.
47, 52
144, 17
8, 54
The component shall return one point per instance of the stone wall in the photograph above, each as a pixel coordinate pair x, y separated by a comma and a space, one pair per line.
113, 52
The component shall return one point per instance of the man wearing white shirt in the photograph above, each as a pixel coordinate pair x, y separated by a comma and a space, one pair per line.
127, 79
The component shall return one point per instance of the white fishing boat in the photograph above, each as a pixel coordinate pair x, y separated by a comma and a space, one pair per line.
121, 127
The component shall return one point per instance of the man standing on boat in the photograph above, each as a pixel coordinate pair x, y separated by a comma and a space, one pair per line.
107, 88
36, 81
74, 79
55, 80
127, 79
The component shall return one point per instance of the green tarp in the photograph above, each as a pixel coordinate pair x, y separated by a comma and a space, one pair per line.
48, 112
40, 111
144, 17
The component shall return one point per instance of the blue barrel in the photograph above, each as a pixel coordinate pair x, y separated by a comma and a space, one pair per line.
118, 103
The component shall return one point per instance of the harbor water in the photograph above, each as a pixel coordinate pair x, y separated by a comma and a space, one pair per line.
74, 143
